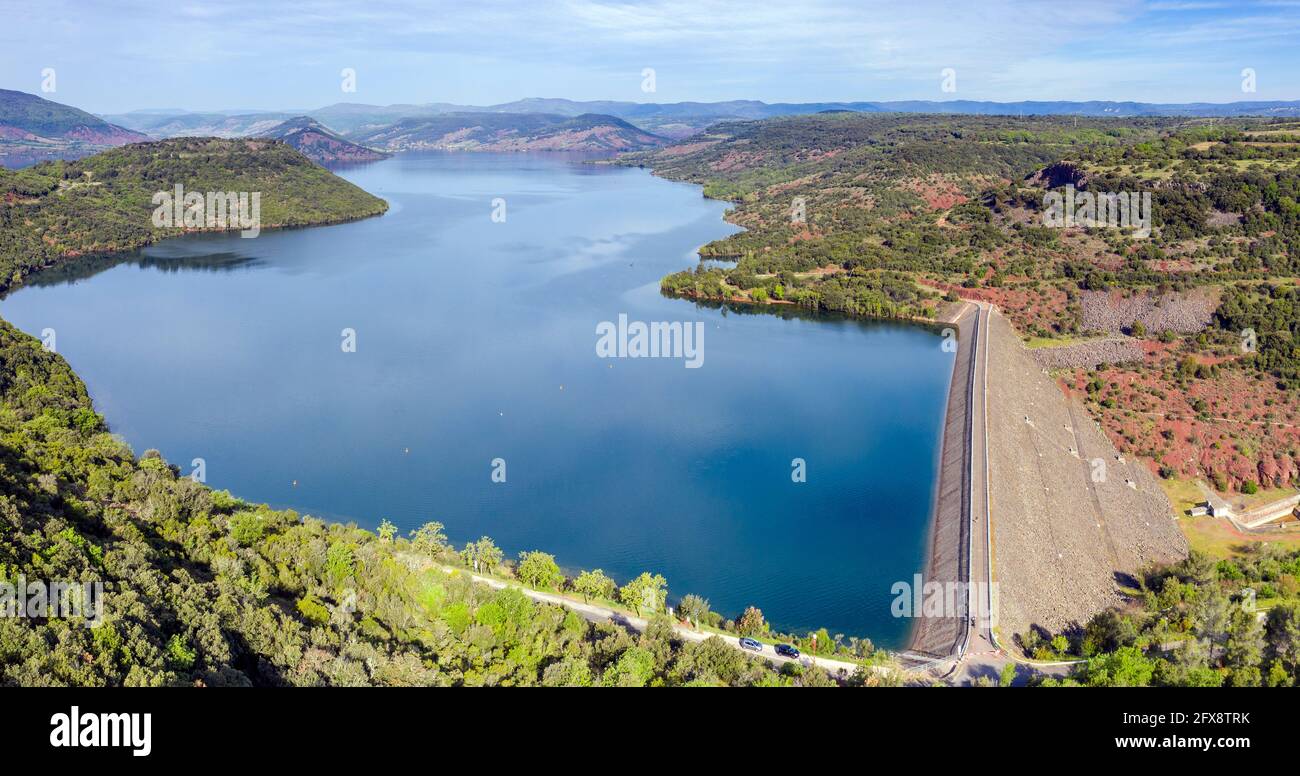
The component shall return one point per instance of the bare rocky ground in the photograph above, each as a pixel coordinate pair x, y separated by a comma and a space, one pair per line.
1113, 312
1087, 355
1072, 520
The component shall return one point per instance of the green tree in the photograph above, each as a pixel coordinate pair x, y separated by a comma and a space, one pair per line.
429, 539
647, 592
751, 623
1283, 633
340, 563
1245, 646
387, 530
820, 642
1125, 667
694, 608
1007, 675
634, 668
247, 527
539, 570
569, 672
594, 584
179, 654
482, 555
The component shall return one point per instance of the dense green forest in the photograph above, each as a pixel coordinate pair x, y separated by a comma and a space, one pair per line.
203, 589
1200, 623
1273, 312
103, 203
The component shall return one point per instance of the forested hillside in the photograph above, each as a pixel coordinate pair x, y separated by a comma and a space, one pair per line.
1200, 623
103, 203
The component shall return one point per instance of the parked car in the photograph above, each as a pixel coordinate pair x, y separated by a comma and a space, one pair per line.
750, 644
785, 650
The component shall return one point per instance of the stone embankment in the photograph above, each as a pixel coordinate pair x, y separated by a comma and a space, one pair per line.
1114, 312
1113, 350
1072, 519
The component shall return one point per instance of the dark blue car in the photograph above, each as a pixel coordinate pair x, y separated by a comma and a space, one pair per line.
785, 650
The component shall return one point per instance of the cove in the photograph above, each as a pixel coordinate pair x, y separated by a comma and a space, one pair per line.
476, 341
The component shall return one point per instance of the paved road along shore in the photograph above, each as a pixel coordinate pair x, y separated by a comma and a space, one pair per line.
838, 668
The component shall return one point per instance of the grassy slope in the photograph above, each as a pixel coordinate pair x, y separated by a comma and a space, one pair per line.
102, 203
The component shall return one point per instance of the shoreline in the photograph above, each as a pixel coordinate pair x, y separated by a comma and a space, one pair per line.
944, 317
946, 556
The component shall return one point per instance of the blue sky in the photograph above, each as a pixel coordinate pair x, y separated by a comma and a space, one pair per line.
267, 54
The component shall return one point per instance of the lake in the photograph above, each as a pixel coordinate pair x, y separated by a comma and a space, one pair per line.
475, 340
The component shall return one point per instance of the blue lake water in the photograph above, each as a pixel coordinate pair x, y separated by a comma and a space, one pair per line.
476, 341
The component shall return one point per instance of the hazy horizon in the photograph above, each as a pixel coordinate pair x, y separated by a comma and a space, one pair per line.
306, 109
258, 57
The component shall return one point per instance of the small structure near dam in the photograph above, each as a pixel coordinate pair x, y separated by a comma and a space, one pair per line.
1247, 519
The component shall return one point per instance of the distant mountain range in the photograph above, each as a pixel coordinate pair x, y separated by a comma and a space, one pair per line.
318, 143
1098, 108
436, 126
184, 124
36, 128
509, 132
682, 119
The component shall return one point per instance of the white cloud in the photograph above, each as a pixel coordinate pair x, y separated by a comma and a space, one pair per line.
252, 53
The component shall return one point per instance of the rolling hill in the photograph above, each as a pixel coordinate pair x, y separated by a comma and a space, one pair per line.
33, 128
186, 124
360, 122
315, 141
510, 132
103, 203
678, 119
30, 118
